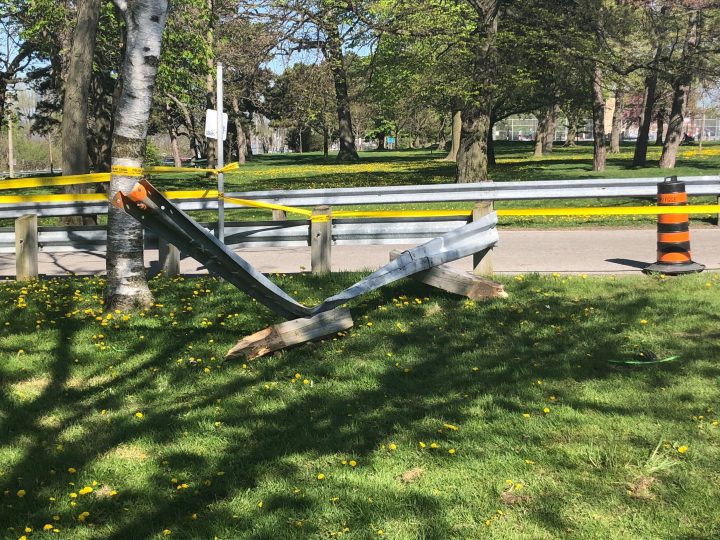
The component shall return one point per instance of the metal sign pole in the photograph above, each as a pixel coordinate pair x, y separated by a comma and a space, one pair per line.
220, 156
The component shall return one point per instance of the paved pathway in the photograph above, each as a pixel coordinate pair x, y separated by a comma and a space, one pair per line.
615, 251
603, 251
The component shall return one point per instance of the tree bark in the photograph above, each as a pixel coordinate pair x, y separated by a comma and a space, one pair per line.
598, 108
571, 131
490, 144
332, 50
539, 135
74, 127
681, 90
172, 132
617, 122
145, 19
105, 91
189, 124
640, 156
550, 123
326, 142
660, 127
456, 129
472, 158
241, 143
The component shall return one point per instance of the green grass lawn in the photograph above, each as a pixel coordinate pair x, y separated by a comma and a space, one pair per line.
514, 162
435, 417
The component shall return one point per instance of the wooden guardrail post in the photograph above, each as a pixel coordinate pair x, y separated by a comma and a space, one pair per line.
482, 261
279, 215
321, 240
169, 258
26, 247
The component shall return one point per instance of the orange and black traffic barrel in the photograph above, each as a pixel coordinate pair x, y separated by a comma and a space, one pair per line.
673, 233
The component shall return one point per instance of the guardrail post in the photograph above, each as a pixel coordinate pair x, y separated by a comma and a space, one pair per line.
26, 248
482, 261
321, 240
169, 258
279, 215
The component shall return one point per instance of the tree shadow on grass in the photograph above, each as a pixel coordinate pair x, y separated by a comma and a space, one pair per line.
283, 436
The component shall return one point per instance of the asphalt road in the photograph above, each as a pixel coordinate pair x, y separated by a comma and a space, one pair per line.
576, 251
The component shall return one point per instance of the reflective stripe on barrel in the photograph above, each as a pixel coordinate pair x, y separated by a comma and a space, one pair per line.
673, 230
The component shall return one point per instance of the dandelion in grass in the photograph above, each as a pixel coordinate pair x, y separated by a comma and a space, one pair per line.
86, 490
422, 444
48, 527
21, 493
139, 415
321, 476
353, 463
452, 451
643, 321
546, 410
83, 516
167, 532
526, 415
682, 449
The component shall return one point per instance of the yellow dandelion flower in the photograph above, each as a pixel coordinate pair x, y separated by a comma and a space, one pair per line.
643, 321
21, 493
321, 476
139, 414
434, 445
353, 463
392, 446
422, 444
526, 415
72, 470
85, 490
546, 410
683, 449
450, 427
83, 516
167, 532
48, 527
451, 451
260, 504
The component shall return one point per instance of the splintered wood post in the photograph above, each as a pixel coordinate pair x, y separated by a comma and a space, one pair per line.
26, 247
482, 261
283, 335
169, 257
321, 240
457, 281
279, 215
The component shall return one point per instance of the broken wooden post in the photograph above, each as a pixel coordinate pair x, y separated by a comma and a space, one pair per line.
457, 281
169, 258
26, 247
279, 215
321, 240
482, 261
283, 335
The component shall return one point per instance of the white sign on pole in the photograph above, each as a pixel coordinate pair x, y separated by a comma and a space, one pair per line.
211, 124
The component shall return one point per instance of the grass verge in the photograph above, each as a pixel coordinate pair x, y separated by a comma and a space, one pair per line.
435, 417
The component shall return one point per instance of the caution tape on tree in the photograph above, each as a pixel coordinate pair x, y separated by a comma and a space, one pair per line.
97, 178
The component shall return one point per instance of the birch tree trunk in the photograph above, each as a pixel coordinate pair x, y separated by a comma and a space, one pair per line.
74, 127
145, 20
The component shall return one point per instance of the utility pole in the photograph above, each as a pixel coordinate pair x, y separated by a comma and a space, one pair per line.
220, 157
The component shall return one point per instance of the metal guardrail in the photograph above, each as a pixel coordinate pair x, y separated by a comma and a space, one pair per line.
256, 234
435, 193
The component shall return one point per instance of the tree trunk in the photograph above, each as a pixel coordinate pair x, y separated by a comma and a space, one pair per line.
441, 140
326, 142
571, 131
241, 146
491, 145
539, 136
598, 107
381, 141
640, 156
456, 129
189, 124
472, 158
660, 127
550, 123
332, 49
617, 122
681, 90
172, 132
74, 127
105, 91
144, 19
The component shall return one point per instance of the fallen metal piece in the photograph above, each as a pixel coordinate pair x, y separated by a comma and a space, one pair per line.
153, 210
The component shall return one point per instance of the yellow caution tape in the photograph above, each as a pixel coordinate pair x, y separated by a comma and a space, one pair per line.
127, 171
99, 197
46, 181
269, 206
612, 211
20, 183
163, 169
